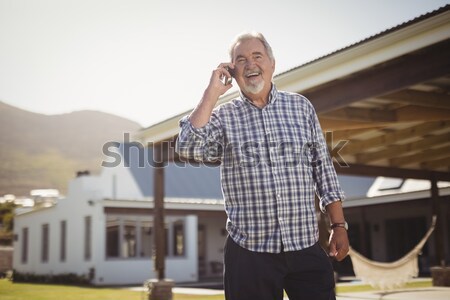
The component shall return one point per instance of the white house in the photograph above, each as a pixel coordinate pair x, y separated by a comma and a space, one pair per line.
103, 227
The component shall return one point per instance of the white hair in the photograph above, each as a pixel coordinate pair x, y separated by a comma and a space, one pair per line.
251, 35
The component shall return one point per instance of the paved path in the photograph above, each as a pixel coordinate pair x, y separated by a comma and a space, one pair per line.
427, 293
196, 291
185, 290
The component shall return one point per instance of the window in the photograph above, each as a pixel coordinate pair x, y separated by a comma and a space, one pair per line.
63, 241
129, 239
45, 243
87, 237
178, 238
24, 255
132, 236
391, 184
146, 239
112, 236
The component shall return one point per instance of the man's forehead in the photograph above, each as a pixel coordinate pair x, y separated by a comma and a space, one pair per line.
251, 46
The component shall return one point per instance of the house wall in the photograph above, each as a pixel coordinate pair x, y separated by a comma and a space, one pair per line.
73, 210
84, 199
215, 240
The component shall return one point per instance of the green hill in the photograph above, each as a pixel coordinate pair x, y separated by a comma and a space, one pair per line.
45, 151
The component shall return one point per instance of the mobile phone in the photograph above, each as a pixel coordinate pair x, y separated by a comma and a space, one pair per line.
226, 80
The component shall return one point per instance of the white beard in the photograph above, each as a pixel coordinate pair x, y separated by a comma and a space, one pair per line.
254, 88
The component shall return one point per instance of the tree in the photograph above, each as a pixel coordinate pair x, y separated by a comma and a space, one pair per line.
6, 223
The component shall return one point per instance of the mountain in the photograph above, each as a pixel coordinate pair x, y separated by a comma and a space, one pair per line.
45, 151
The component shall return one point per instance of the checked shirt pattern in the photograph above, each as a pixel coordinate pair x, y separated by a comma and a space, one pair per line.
274, 161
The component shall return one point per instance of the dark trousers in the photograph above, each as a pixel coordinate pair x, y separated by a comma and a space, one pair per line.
304, 275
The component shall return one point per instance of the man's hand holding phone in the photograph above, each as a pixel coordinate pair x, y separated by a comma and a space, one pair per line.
221, 78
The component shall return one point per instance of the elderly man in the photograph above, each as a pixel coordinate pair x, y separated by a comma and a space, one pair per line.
273, 162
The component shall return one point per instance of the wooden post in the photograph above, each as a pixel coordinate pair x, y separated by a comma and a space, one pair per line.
438, 237
160, 288
158, 186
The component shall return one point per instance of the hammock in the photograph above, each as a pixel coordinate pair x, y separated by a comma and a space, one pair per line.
387, 276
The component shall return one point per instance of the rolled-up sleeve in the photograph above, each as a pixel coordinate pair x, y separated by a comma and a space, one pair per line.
200, 144
327, 184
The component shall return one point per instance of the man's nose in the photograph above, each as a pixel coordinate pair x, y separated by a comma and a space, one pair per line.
250, 63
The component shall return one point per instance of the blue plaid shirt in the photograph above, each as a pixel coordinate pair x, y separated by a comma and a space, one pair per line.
273, 162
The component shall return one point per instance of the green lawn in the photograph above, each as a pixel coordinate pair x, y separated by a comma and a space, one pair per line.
27, 291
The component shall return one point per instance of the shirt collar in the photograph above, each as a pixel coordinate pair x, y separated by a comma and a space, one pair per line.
272, 96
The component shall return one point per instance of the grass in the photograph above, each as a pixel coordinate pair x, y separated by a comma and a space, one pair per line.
22, 291
28, 291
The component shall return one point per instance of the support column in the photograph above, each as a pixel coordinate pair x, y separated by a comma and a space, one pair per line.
438, 237
160, 288
158, 190
440, 273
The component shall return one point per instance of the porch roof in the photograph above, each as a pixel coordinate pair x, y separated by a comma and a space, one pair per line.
388, 96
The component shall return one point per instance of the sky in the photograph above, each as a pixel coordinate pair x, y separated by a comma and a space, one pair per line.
149, 60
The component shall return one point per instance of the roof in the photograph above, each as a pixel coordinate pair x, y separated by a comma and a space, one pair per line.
385, 101
380, 34
181, 180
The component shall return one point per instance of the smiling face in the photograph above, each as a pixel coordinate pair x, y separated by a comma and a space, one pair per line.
253, 68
